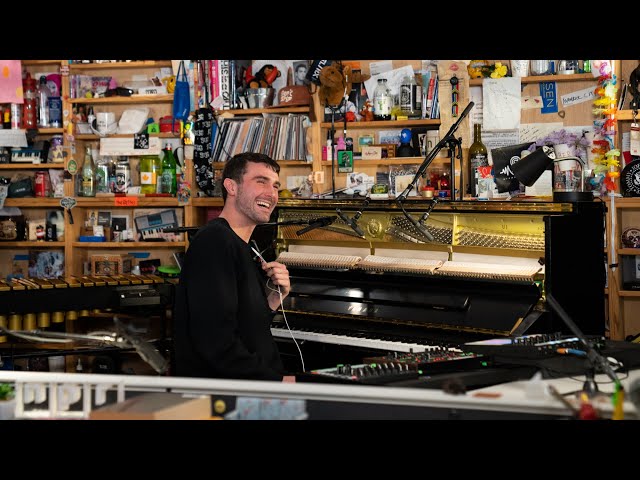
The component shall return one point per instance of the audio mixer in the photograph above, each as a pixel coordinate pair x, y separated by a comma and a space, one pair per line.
397, 367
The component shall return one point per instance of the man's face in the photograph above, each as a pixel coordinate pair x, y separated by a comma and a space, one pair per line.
302, 72
257, 194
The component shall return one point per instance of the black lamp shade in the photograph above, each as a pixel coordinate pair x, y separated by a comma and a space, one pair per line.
529, 169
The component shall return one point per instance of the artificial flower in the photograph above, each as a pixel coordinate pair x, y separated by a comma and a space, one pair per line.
499, 70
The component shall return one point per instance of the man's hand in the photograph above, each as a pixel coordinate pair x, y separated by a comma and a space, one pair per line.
279, 277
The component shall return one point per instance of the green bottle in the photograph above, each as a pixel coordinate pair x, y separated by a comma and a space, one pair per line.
88, 174
169, 180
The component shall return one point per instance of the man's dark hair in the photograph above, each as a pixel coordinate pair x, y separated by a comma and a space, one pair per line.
236, 167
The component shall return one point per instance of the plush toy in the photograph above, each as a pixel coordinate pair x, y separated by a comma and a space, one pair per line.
335, 84
264, 78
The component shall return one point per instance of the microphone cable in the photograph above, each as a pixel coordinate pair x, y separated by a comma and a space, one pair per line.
284, 316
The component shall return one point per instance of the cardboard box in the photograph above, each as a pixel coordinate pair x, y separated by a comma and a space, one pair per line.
156, 406
111, 264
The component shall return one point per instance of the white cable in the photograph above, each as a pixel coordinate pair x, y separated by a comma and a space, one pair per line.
281, 305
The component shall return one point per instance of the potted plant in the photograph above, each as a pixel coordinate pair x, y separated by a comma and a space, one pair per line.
7, 401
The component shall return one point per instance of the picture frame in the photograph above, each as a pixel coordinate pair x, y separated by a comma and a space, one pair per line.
123, 222
345, 161
388, 150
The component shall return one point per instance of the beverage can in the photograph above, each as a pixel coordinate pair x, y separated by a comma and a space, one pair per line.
39, 184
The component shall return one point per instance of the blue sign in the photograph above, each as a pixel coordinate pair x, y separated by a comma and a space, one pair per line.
549, 96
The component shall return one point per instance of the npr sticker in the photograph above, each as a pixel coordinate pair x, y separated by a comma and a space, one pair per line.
581, 96
549, 95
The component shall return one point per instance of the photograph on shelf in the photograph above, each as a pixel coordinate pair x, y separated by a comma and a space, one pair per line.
46, 264
387, 150
37, 230
389, 137
345, 161
400, 176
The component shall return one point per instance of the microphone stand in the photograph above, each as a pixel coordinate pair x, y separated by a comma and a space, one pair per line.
454, 144
594, 357
353, 222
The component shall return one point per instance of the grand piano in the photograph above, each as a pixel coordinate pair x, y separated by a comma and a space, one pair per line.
368, 282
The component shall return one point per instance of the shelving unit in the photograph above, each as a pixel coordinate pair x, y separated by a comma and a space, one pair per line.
624, 304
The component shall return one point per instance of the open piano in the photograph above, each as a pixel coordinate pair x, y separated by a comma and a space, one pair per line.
395, 292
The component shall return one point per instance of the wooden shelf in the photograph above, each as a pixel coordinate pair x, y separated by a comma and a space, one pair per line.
116, 65
207, 202
629, 293
121, 245
125, 135
625, 115
50, 131
108, 201
546, 78
258, 111
134, 99
390, 161
30, 166
30, 63
629, 251
629, 202
28, 244
39, 202
383, 124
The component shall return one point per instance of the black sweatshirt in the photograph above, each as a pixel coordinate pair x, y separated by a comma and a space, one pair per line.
221, 325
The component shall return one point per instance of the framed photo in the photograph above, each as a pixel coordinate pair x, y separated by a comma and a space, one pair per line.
121, 221
345, 161
388, 150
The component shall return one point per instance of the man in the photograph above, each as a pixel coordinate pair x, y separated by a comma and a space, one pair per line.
225, 299
301, 74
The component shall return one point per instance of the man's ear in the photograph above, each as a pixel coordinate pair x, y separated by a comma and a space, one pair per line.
230, 185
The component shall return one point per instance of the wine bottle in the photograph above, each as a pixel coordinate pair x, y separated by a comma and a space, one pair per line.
88, 174
477, 158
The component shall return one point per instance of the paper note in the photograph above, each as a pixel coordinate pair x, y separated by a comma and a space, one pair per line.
376, 68
581, 96
475, 116
530, 102
501, 103
530, 132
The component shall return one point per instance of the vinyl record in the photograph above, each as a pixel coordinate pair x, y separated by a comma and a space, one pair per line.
630, 179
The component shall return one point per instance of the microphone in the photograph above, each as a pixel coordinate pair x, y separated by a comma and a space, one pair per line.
314, 223
352, 222
419, 226
145, 349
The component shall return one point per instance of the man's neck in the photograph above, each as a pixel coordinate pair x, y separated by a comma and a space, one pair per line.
242, 226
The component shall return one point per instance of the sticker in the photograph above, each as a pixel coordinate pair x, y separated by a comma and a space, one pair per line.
68, 202
72, 166
141, 141
549, 95
635, 139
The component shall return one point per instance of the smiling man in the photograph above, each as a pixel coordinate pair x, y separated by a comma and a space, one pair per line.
225, 299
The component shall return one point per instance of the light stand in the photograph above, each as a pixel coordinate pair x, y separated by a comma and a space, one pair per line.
454, 144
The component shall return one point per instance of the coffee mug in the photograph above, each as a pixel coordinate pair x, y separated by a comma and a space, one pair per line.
105, 121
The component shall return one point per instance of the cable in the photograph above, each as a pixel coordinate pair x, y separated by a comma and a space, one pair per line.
284, 316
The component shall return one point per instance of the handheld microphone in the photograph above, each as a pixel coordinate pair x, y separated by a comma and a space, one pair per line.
352, 222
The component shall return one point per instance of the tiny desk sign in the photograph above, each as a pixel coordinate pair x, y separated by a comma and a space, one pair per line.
345, 161
125, 201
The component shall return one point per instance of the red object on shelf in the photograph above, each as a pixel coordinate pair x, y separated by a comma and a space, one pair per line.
30, 107
166, 123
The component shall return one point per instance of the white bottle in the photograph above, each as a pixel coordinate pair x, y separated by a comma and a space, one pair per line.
42, 99
382, 101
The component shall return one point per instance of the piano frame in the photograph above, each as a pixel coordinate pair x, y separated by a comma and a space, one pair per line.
567, 238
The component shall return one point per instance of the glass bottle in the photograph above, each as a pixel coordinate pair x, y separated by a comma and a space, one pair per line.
150, 168
410, 97
88, 174
102, 175
169, 178
30, 107
43, 102
478, 157
382, 101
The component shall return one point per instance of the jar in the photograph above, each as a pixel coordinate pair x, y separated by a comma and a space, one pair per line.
427, 192
540, 67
